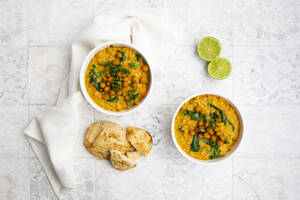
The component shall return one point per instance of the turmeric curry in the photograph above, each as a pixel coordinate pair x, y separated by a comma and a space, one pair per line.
206, 127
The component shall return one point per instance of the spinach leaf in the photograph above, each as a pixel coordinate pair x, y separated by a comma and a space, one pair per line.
207, 141
180, 128
114, 99
133, 65
123, 56
195, 146
226, 142
137, 57
129, 103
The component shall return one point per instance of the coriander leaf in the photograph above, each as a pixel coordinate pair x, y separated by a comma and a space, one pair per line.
195, 146
133, 65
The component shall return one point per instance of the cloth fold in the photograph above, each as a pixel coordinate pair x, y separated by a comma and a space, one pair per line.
53, 136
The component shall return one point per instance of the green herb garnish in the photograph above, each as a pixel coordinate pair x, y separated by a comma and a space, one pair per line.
133, 65
123, 56
129, 103
100, 73
180, 128
214, 152
97, 87
137, 57
125, 71
114, 99
223, 116
195, 146
212, 124
116, 85
132, 94
226, 142
202, 130
194, 115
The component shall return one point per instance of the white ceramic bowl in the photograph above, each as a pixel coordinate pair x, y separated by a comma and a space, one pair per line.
82, 76
217, 159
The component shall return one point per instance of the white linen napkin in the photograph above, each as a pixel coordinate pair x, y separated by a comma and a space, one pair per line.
53, 136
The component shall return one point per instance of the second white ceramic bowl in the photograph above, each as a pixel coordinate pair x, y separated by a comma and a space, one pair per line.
213, 160
84, 66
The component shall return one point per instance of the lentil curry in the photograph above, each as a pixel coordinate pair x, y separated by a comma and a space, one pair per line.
206, 127
117, 78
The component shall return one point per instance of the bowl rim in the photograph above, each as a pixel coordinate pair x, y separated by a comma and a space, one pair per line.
217, 160
84, 66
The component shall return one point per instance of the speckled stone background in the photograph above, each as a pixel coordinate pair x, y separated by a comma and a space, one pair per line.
260, 37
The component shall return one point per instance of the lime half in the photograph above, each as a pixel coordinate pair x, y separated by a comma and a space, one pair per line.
219, 68
209, 48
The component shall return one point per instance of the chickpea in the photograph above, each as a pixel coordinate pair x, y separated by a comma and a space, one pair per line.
106, 89
108, 83
111, 79
119, 92
222, 137
115, 62
219, 133
211, 132
200, 123
191, 132
143, 91
134, 80
112, 93
97, 93
119, 55
220, 143
213, 138
134, 85
206, 135
105, 96
105, 78
206, 124
145, 68
126, 98
143, 80
119, 74
102, 85
197, 109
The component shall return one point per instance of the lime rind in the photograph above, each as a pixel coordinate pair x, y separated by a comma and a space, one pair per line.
219, 68
209, 48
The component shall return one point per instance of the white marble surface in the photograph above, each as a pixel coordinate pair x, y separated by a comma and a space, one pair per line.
260, 37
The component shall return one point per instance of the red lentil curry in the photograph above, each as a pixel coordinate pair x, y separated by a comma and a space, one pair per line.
206, 127
117, 78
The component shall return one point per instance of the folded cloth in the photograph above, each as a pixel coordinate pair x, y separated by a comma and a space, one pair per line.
53, 136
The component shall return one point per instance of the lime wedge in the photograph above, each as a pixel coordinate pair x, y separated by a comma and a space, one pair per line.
219, 68
209, 48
